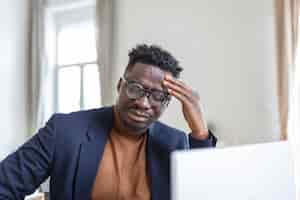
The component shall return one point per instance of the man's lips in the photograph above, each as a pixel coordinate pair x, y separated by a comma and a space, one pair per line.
139, 115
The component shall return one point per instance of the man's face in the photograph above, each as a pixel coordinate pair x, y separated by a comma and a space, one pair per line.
136, 115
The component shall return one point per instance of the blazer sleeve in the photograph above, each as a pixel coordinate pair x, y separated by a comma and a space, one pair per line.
24, 170
196, 143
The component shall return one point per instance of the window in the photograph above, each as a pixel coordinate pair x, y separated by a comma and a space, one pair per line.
78, 75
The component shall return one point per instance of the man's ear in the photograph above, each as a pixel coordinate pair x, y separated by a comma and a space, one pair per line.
119, 84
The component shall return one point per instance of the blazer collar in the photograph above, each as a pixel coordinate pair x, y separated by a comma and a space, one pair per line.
91, 151
157, 165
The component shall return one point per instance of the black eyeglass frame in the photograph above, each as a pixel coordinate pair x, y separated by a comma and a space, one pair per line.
148, 93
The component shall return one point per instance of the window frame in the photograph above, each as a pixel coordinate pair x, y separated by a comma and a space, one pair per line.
60, 22
81, 66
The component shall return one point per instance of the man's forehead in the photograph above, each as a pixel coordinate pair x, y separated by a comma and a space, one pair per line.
147, 71
146, 74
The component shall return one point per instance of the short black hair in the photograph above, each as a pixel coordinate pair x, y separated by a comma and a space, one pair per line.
156, 56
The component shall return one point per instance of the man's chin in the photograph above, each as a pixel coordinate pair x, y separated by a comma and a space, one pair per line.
138, 127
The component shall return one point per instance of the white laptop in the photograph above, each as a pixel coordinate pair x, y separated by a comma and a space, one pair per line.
250, 172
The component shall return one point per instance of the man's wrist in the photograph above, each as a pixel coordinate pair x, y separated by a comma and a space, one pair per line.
200, 135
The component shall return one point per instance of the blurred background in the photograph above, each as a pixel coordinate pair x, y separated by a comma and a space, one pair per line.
57, 56
67, 55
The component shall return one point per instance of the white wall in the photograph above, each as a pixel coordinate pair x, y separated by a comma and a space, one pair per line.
13, 60
228, 51
226, 47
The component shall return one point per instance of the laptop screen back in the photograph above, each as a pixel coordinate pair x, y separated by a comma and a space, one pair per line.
250, 172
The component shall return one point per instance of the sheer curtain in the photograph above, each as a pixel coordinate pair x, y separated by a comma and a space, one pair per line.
287, 31
294, 111
40, 73
104, 36
287, 19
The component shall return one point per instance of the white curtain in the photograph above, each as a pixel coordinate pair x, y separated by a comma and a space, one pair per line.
104, 36
287, 33
287, 20
41, 72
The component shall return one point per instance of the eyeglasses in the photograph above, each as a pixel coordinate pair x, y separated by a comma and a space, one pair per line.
135, 91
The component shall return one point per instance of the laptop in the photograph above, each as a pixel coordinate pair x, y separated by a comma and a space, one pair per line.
249, 172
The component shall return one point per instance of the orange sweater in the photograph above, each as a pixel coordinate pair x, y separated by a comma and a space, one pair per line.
122, 173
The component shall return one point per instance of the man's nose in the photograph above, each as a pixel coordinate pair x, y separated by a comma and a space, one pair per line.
144, 102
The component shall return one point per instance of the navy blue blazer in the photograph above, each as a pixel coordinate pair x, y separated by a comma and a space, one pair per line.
69, 149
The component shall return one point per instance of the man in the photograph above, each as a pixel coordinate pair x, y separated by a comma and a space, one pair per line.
119, 152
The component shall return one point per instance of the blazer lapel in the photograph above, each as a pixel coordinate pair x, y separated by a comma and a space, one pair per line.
157, 165
91, 151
